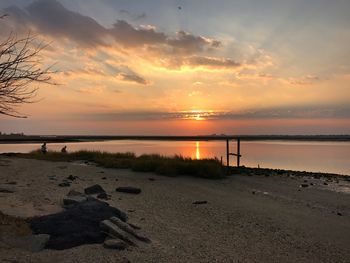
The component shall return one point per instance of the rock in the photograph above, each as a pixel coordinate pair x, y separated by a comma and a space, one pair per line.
200, 202
64, 184
6, 191
12, 183
77, 225
72, 200
304, 185
129, 190
95, 189
253, 192
325, 183
104, 178
114, 230
151, 179
339, 214
134, 226
115, 244
103, 196
127, 228
72, 177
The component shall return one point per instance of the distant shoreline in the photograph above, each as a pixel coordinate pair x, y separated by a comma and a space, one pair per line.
17, 139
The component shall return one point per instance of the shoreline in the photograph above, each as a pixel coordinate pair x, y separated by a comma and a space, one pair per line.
241, 170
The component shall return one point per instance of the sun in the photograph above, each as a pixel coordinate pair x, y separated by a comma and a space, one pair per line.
198, 117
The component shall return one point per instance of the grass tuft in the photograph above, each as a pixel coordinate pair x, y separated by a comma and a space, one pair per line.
163, 165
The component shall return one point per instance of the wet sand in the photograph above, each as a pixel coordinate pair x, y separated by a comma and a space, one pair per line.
246, 218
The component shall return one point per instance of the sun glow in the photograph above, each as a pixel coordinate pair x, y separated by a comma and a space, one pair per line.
197, 115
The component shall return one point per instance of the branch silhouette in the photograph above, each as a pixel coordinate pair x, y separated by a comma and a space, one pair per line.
20, 66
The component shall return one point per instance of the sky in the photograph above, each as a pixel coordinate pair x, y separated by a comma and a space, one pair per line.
177, 67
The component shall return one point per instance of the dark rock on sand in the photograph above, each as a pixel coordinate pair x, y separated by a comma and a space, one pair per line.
104, 178
64, 184
115, 244
304, 185
6, 191
325, 183
95, 189
103, 196
200, 202
72, 200
12, 183
151, 179
78, 225
72, 177
339, 214
129, 190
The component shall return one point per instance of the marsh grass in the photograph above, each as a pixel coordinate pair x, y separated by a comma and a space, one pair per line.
163, 165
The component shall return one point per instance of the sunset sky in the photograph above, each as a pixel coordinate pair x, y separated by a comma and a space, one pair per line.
187, 67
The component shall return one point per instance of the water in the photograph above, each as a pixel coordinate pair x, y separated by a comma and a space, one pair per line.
332, 157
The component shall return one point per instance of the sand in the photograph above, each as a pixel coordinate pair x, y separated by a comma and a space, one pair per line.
246, 218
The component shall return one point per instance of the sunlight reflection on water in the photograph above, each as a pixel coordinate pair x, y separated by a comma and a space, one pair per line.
295, 155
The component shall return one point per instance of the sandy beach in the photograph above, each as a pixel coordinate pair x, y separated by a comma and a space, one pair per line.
254, 218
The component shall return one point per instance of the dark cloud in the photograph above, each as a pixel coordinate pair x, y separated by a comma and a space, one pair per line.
212, 62
183, 49
188, 43
276, 113
132, 77
51, 17
129, 36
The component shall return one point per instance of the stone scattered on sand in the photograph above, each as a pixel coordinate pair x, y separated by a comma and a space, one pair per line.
200, 202
6, 191
304, 185
103, 196
325, 183
79, 224
12, 183
115, 244
72, 200
151, 179
129, 190
339, 214
64, 184
72, 177
95, 189
104, 178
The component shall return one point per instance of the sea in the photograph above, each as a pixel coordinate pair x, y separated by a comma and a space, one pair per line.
311, 156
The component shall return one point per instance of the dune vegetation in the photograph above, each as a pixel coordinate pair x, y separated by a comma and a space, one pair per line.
163, 165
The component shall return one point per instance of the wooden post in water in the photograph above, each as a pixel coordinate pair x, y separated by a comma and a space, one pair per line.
227, 153
238, 151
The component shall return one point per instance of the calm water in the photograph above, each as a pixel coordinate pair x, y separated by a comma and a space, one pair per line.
330, 157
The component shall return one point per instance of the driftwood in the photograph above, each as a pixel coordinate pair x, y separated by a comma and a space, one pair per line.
127, 228
117, 232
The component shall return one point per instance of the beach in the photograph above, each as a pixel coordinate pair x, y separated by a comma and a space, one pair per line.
246, 218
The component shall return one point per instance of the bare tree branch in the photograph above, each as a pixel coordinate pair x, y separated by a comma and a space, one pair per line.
20, 66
